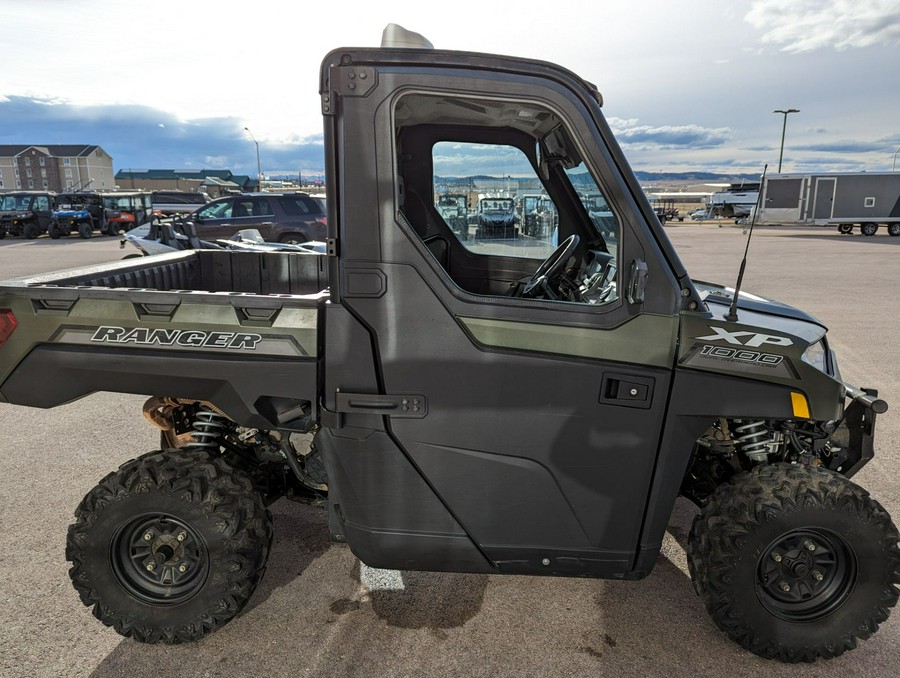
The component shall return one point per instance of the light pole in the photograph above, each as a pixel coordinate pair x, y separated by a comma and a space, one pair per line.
258, 166
783, 128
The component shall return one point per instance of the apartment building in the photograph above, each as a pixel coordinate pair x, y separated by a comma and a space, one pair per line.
55, 167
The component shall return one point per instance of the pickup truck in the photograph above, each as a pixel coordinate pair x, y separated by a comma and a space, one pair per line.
507, 408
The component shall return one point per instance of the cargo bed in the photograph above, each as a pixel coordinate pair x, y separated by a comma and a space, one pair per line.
218, 271
237, 327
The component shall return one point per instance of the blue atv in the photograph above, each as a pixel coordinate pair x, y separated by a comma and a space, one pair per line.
65, 221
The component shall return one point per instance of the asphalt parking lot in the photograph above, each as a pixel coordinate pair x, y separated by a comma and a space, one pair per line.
319, 613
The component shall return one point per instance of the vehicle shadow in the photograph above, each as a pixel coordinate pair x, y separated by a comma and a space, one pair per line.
310, 587
853, 239
301, 536
320, 613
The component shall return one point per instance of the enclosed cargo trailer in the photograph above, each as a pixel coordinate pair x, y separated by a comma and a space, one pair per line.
845, 200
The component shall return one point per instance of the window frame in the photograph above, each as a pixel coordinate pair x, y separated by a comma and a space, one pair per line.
617, 307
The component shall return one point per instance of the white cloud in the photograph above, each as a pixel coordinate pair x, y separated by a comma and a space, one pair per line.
668, 136
806, 25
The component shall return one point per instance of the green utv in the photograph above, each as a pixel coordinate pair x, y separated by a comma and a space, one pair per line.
509, 407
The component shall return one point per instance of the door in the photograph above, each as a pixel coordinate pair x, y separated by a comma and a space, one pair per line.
534, 415
824, 200
215, 220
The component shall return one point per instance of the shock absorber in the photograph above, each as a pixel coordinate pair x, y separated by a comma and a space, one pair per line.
208, 427
752, 438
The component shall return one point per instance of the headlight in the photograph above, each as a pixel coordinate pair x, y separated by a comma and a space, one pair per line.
817, 356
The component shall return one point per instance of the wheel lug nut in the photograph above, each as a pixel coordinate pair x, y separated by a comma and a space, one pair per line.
148, 536
818, 576
784, 586
182, 536
809, 546
776, 557
151, 566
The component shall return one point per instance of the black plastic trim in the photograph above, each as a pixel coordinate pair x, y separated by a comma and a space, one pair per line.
54, 375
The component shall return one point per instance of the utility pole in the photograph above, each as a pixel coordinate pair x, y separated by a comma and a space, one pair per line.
258, 166
783, 128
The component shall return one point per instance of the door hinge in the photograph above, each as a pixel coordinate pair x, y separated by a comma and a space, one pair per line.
347, 81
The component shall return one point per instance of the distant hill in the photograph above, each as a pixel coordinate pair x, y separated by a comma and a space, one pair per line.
643, 177
696, 176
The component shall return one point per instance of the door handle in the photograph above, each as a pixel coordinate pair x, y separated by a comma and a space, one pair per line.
627, 390
401, 405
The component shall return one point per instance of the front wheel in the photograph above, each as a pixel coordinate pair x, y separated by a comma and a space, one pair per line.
31, 231
55, 230
170, 547
85, 230
845, 228
868, 228
795, 562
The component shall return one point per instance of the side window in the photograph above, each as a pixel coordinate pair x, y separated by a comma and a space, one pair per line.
262, 208
480, 192
296, 206
243, 207
42, 203
491, 199
216, 210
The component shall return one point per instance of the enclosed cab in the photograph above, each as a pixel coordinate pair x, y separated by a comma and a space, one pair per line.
490, 405
26, 213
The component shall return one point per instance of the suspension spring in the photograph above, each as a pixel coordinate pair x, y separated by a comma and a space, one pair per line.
752, 438
208, 428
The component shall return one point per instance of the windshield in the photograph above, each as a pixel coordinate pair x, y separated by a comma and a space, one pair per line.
15, 202
595, 204
117, 202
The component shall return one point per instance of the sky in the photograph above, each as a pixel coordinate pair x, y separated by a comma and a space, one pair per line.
688, 86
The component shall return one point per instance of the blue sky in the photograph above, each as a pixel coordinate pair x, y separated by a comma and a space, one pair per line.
688, 86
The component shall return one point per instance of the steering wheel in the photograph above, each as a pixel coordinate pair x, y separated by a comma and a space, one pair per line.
551, 268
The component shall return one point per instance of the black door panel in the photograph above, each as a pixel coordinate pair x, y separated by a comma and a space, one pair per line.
519, 445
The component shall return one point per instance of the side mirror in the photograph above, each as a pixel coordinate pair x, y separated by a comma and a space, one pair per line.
637, 281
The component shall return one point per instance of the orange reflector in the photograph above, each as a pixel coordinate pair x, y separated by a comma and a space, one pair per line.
7, 324
801, 407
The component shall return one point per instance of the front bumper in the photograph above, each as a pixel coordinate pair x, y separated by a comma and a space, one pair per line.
852, 443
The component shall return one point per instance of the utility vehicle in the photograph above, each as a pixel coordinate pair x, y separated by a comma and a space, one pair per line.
463, 405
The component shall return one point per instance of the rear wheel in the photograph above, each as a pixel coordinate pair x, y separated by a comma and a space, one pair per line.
894, 229
795, 562
293, 239
868, 228
54, 230
170, 547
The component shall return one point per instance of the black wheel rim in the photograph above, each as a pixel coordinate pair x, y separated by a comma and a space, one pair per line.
159, 559
805, 575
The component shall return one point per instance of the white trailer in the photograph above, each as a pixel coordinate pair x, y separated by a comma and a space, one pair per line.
845, 200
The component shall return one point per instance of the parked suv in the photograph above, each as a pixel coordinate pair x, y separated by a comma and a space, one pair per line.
287, 217
170, 203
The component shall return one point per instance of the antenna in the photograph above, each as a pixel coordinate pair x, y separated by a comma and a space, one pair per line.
731, 316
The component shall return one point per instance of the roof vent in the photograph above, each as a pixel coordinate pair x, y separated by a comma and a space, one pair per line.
397, 37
